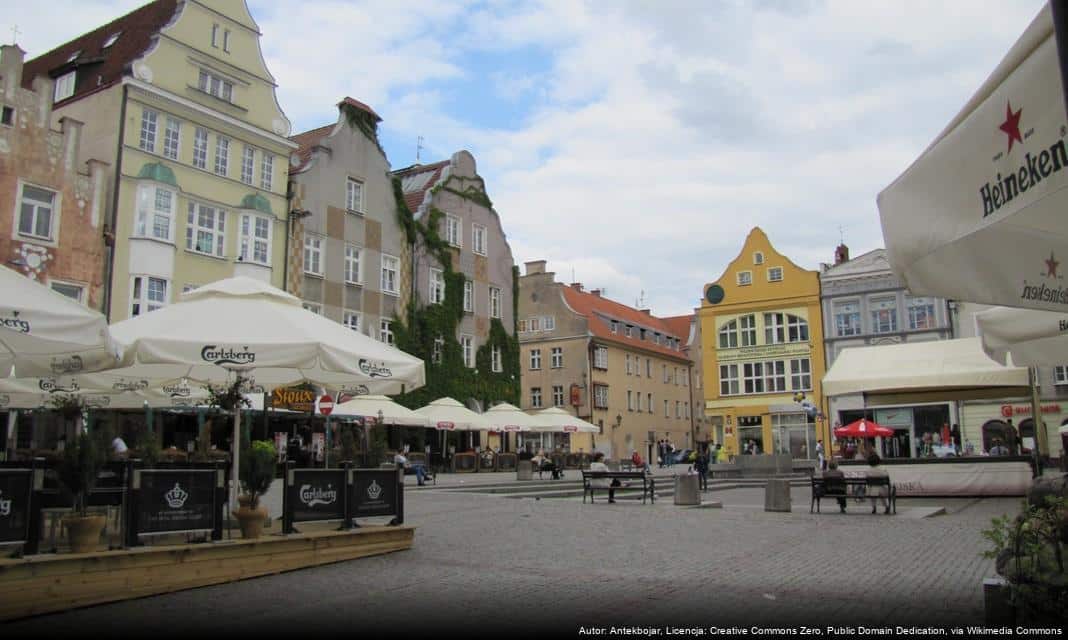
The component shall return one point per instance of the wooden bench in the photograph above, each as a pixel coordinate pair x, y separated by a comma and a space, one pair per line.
588, 487
850, 488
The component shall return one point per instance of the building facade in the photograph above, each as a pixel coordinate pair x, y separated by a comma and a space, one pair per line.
762, 343
865, 304
178, 101
620, 368
345, 248
689, 330
52, 224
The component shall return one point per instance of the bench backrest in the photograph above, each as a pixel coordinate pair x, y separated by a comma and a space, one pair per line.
614, 474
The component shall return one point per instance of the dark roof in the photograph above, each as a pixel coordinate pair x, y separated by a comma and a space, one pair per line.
98, 67
413, 196
307, 141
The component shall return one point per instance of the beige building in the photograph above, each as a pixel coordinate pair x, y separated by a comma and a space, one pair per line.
620, 368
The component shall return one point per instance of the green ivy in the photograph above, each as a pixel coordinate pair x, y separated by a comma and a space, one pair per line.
362, 120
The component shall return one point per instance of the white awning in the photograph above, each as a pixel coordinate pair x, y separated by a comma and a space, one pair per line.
923, 372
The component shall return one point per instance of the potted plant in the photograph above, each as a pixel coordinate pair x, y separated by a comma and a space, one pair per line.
82, 460
228, 397
256, 475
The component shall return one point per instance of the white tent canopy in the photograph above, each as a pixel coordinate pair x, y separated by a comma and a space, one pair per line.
44, 333
923, 372
1033, 338
980, 215
369, 406
449, 415
510, 418
556, 419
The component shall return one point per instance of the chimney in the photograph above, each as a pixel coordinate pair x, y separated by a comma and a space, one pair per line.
535, 266
646, 312
596, 292
841, 254
11, 58
577, 286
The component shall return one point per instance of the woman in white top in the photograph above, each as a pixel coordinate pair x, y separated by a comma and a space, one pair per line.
602, 483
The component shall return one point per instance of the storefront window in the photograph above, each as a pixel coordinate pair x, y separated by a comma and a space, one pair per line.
794, 434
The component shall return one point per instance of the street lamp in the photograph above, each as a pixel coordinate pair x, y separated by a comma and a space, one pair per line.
619, 421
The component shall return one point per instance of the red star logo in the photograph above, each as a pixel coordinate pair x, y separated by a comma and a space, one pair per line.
1011, 126
1051, 266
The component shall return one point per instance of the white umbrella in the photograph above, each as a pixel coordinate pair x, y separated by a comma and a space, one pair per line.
43, 332
241, 326
556, 419
1034, 338
510, 418
370, 406
447, 414
980, 215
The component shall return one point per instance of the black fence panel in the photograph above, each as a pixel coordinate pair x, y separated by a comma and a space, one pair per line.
16, 489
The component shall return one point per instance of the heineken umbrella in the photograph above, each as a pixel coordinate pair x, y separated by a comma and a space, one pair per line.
510, 418
447, 414
391, 412
980, 215
556, 419
43, 332
1030, 337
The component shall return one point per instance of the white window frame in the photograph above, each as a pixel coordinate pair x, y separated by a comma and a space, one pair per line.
149, 215
385, 331
216, 232
495, 360
535, 359
796, 328
436, 286
774, 328
556, 358
627, 360
535, 398
729, 380
914, 307
558, 395
354, 195
353, 320
600, 396
847, 319
314, 261
172, 138
248, 164
495, 302
747, 330
80, 298
215, 86
437, 352
1060, 374
352, 264
600, 358
801, 374
249, 240
745, 278
758, 257
390, 280
266, 170
876, 311
775, 376
478, 239
215, 35
222, 155
752, 377
467, 348
64, 86
454, 230
226, 40
728, 335
469, 296
615, 326
200, 148
548, 323
149, 129
39, 206
139, 289
774, 274
630, 400
667, 408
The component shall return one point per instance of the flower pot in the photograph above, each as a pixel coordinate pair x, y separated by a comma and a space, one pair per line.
250, 520
84, 532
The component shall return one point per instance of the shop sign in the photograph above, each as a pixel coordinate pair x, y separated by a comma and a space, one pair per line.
317, 494
1008, 410
14, 504
763, 352
375, 493
576, 395
301, 398
176, 500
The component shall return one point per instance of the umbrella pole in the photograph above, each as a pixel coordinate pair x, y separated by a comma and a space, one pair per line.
1037, 425
235, 450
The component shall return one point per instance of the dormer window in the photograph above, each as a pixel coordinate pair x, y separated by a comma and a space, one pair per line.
758, 257
64, 86
74, 56
111, 40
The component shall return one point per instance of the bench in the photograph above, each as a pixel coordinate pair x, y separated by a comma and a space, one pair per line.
588, 487
851, 488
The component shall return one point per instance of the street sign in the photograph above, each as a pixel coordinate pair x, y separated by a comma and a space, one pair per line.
326, 405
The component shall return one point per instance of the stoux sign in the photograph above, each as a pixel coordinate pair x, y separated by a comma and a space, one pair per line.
293, 398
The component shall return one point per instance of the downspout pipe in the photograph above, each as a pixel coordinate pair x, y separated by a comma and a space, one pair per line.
109, 266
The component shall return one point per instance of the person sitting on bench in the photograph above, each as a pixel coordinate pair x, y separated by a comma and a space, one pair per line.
599, 465
833, 477
543, 463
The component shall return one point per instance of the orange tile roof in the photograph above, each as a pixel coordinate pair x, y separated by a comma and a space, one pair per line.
414, 197
596, 308
679, 326
361, 106
307, 141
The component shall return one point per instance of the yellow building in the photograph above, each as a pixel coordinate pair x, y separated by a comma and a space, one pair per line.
177, 99
762, 345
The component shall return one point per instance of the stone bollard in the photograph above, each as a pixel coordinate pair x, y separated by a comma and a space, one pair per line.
686, 492
524, 470
777, 495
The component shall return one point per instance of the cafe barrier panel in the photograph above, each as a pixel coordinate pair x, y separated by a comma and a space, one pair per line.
175, 500
16, 495
330, 495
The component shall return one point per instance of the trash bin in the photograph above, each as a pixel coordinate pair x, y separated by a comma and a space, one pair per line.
686, 492
777, 495
524, 470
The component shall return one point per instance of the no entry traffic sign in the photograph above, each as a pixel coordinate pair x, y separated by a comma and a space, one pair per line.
326, 405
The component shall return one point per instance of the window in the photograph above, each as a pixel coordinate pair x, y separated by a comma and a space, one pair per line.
675, 376
216, 86
437, 286
215, 35
534, 323
148, 130
255, 240
313, 255
667, 409
630, 400
222, 155
453, 231
796, 329
628, 330
728, 335
385, 331
73, 291
353, 320
558, 395
535, 397
548, 323
628, 364
615, 326
745, 278
352, 264
556, 358
8, 116
1060, 375
774, 376
649, 403
390, 267
467, 347
314, 307
267, 171
753, 377
648, 368
248, 161
535, 359
438, 351
774, 328
111, 40
522, 323
147, 294
494, 302
478, 239
758, 257
36, 208
469, 300
64, 87
847, 319
600, 358
495, 360
600, 396
678, 408
728, 379
685, 378
226, 41
775, 274
800, 374
155, 213
354, 195
921, 313
172, 136
748, 330
200, 148
884, 315
664, 373
638, 408
205, 230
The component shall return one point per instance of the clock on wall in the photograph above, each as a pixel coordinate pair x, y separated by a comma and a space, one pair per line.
714, 295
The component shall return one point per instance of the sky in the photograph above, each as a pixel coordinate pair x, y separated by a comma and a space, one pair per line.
634, 144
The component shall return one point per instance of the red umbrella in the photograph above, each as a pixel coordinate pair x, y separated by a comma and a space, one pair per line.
863, 429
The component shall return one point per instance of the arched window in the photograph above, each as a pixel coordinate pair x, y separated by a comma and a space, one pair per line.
796, 329
728, 335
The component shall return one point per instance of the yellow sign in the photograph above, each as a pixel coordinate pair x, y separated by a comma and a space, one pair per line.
293, 398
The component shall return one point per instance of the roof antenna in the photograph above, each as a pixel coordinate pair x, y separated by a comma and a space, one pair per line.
15, 34
841, 234
418, 148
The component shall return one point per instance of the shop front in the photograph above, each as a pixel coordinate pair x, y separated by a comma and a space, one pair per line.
792, 432
1011, 423
910, 425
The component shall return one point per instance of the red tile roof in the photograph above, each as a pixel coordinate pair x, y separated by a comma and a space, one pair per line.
97, 67
307, 141
361, 106
679, 326
596, 308
413, 197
